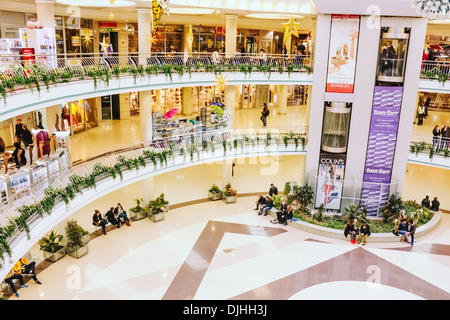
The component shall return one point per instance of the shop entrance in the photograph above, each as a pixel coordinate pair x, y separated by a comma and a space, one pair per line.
251, 44
248, 97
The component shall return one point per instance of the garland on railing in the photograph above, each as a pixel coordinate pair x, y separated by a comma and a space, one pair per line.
77, 183
434, 74
102, 72
429, 148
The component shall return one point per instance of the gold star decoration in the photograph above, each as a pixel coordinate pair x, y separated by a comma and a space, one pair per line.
221, 81
151, 39
215, 12
104, 45
87, 38
290, 28
111, 16
157, 11
112, 2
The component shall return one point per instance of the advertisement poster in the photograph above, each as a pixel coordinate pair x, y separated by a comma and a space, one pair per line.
20, 181
381, 147
330, 181
342, 55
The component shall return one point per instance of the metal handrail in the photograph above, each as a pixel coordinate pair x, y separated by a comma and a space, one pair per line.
16, 74
194, 142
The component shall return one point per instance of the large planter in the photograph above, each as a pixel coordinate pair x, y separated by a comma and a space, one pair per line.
155, 217
215, 196
229, 199
78, 253
54, 256
86, 238
138, 215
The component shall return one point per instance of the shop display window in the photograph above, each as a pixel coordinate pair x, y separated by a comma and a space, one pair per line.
134, 104
81, 115
73, 40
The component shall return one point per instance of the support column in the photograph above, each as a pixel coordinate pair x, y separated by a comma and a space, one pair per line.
187, 42
145, 103
144, 33
283, 99
46, 13
230, 39
186, 100
227, 171
230, 102
308, 105
148, 190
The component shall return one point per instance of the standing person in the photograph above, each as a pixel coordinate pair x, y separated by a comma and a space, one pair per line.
262, 56
426, 202
421, 113
264, 114
97, 220
19, 155
122, 214
28, 141
445, 137
273, 190
112, 218
18, 134
284, 51
350, 230
435, 204
426, 105
364, 232
436, 134
411, 230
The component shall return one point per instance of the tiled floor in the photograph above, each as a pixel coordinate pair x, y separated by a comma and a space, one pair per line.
218, 251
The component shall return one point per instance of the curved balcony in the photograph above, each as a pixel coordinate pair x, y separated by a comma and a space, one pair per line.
423, 150
48, 80
27, 215
434, 76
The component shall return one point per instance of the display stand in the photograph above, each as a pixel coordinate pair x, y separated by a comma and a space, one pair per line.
39, 172
4, 187
20, 181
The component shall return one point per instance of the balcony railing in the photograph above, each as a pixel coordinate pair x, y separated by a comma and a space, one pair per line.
435, 70
56, 190
17, 73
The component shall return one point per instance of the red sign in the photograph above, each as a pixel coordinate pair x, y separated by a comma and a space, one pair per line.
107, 24
27, 53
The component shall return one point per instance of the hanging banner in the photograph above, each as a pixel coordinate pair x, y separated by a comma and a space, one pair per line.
342, 54
330, 181
381, 147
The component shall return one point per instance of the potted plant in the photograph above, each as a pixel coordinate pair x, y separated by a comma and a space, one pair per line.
157, 207
214, 193
138, 212
229, 194
76, 246
51, 247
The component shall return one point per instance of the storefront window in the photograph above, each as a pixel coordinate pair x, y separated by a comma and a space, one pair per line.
134, 104
81, 115
73, 41
87, 42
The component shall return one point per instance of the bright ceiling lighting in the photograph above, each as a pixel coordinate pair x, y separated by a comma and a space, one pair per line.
191, 11
272, 16
97, 3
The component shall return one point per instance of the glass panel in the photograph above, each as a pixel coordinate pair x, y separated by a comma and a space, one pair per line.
59, 34
73, 41
335, 129
392, 57
90, 113
87, 42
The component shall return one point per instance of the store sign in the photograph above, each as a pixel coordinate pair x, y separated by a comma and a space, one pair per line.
330, 181
342, 55
381, 146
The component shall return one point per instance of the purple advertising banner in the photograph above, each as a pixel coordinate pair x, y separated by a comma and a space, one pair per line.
381, 146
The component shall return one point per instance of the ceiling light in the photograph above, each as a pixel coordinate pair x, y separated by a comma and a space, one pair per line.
96, 3
273, 16
191, 11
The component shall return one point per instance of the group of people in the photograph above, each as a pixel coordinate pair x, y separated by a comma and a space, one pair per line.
116, 216
21, 268
265, 203
22, 135
363, 232
406, 229
432, 205
441, 137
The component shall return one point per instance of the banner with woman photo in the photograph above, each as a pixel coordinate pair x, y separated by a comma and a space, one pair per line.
330, 181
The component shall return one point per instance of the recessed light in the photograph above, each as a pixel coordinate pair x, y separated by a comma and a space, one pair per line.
273, 16
97, 3
192, 11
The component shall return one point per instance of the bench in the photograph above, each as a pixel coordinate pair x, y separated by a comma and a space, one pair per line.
108, 227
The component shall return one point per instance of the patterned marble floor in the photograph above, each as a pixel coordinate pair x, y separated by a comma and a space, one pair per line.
218, 251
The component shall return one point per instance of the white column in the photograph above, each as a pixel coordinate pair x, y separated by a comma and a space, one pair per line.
186, 100
283, 99
230, 37
46, 13
230, 102
144, 33
148, 190
227, 169
145, 103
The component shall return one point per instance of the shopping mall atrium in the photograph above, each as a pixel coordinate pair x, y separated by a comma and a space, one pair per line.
225, 150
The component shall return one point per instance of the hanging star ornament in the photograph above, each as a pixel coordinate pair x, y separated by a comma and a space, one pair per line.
190, 36
151, 39
290, 28
87, 37
104, 45
221, 81
111, 16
